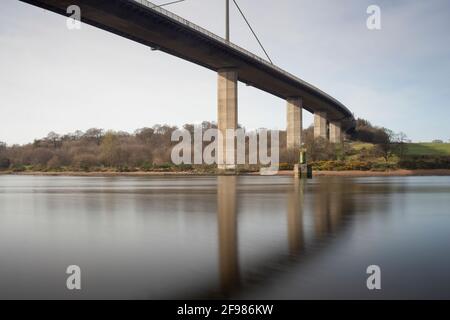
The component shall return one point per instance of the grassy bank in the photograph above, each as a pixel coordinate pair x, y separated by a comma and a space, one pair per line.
428, 149
359, 156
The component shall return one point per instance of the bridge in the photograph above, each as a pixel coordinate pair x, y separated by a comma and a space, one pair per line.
153, 26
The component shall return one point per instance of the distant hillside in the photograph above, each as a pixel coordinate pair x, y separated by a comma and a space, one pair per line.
428, 149
368, 156
412, 149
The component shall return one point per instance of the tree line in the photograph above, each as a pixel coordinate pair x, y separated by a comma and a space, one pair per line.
150, 147
91, 149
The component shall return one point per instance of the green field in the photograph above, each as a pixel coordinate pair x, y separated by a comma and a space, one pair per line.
431, 149
413, 149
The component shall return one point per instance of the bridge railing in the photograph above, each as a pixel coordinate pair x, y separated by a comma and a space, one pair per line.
191, 25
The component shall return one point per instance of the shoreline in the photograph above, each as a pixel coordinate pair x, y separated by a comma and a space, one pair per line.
354, 173
392, 173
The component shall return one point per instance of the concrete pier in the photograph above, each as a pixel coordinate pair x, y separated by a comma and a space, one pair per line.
294, 123
335, 132
320, 125
227, 93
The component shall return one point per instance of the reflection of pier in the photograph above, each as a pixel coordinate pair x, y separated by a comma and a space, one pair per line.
228, 246
325, 205
295, 199
328, 206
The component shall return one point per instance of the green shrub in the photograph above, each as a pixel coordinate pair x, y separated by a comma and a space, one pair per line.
243, 169
165, 167
18, 168
425, 162
5, 163
286, 166
124, 168
383, 166
184, 167
341, 165
147, 166
358, 165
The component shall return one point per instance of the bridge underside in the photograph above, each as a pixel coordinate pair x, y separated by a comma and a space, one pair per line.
137, 22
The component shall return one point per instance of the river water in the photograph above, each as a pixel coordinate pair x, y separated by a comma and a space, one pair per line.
224, 237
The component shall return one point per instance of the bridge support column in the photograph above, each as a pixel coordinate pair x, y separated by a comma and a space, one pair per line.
227, 117
294, 123
320, 125
335, 132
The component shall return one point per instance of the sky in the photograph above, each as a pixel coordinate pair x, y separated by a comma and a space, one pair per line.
61, 80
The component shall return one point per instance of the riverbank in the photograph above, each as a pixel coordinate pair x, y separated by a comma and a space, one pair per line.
391, 173
353, 173
102, 174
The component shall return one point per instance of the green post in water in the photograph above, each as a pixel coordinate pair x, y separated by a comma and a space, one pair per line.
302, 156
302, 169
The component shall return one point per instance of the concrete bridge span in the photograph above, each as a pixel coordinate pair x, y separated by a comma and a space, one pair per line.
153, 26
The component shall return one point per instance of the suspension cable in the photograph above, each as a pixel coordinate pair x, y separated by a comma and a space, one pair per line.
251, 29
167, 4
242, 14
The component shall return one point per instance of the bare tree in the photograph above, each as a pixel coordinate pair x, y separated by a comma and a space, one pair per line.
145, 135
385, 143
54, 139
402, 144
4, 161
95, 135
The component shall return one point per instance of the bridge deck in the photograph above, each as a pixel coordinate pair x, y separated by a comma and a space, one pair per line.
144, 22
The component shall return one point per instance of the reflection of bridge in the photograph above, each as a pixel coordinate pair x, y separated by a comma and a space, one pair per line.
142, 21
329, 208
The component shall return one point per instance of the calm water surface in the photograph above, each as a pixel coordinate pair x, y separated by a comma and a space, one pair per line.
236, 237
